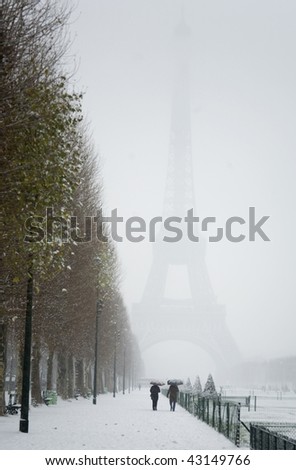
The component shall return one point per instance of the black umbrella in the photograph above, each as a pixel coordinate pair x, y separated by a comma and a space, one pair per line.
175, 381
156, 382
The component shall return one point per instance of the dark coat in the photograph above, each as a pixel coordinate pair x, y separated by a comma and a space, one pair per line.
154, 391
173, 392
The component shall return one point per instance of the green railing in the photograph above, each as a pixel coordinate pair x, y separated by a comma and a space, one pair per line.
223, 416
273, 436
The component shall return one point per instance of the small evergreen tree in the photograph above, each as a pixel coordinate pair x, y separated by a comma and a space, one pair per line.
197, 388
188, 386
210, 389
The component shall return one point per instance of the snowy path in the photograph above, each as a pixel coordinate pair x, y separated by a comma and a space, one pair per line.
124, 422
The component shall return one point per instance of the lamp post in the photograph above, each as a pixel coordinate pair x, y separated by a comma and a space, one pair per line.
123, 373
98, 311
24, 421
114, 364
129, 377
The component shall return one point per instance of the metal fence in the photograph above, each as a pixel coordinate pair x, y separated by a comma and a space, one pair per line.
273, 436
243, 400
224, 416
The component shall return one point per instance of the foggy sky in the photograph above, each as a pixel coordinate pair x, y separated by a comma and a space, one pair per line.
243, 144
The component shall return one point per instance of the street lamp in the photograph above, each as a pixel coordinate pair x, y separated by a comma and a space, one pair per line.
114, 364
99, 307
24, 421
123, 373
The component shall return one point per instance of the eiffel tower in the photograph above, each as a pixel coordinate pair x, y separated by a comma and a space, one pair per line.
199, 319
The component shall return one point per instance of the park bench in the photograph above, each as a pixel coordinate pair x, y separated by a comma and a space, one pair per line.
12, 407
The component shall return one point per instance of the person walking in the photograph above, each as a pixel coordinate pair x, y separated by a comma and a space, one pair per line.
154, 391
173, 395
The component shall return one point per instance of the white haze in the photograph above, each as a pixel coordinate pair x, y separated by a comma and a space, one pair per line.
243, 144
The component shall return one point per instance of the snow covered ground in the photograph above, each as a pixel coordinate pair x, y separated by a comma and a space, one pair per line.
124, 422
269, 406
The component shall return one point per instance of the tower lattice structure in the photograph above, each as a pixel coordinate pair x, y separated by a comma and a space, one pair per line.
199, 319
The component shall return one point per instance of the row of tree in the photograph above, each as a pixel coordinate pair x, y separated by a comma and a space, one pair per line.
49, 173
209, 389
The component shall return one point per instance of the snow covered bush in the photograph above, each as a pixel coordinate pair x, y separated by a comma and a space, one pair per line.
197, 388
210, 389
188, 386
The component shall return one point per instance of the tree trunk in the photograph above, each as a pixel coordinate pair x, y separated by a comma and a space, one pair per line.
62, 377
101, 381
70, 371
36, 397
49, 377
11, 354
3, 333
109, 379
19, 371
89, 381
80, 376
